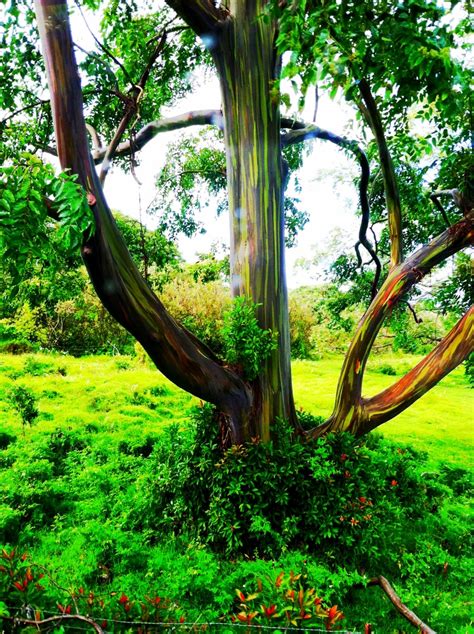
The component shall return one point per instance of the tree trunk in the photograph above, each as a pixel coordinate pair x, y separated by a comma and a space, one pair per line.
248, 66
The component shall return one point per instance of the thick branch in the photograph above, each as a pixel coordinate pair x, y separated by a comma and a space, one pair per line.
180, 356
201, 15
350, 411
392, 195
148, 132
447, 355
304, 132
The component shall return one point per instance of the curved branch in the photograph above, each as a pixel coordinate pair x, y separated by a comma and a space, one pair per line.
302, 133
149, 131
56, 620
201, 15
448, 354
181, 357
371, 113
351, 412
437, 203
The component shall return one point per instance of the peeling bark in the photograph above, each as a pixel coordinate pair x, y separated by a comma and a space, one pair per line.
357, 415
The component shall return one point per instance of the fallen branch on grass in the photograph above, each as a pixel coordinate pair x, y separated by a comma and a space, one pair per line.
401, 607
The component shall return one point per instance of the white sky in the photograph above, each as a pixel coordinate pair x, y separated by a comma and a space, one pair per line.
330, 204
330, 201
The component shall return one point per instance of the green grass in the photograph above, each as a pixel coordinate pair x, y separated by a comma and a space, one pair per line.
113, 393
75, 481
96, 391
441, 422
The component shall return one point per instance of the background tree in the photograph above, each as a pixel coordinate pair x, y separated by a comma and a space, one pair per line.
393, 62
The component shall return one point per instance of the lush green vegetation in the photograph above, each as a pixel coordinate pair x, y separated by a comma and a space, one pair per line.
115, 473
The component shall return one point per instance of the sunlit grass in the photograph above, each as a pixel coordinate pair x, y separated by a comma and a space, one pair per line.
106, 392
441, 422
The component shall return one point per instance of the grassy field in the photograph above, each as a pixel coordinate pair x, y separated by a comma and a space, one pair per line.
120, 394
79, 488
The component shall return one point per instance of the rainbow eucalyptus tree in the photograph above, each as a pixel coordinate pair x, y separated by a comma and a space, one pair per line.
391, 61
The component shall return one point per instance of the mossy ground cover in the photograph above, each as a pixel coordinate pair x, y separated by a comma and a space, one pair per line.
77, 491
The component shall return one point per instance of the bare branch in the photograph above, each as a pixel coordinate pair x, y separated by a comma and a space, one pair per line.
401, 607
102, 46
371, 113
148, 132
40, 102
56, 620
418, 320
301, 132
131, 109
96, 140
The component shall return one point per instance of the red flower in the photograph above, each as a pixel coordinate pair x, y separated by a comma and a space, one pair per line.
270, 611
347, 474
19, 586
64, 609
363, 500
246, 618
394, 483
181, 619
333, 615
154, 601
344, 457
123, 599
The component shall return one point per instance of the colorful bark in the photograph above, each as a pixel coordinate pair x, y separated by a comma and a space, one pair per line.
392, 195
177, 353
248, 66
357, 415
242, 46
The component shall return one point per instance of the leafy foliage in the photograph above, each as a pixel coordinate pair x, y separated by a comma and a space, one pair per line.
103, 484
25, 403
23, 216
247, 345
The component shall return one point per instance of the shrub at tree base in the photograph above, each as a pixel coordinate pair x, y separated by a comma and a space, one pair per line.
169, 515
350, 500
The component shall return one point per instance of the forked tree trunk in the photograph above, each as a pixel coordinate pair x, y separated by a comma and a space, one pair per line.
242, 45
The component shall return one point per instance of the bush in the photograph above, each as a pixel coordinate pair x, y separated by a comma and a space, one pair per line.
332, 495
25, 403
386, 368
199, 306
246, 344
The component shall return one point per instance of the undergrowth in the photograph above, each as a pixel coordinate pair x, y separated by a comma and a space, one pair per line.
168, 515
